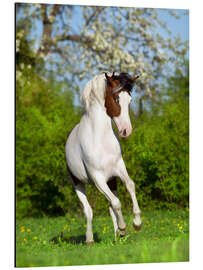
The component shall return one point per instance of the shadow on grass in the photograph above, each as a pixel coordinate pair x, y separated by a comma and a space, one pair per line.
79, 239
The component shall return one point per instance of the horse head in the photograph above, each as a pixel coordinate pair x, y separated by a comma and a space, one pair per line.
117, 100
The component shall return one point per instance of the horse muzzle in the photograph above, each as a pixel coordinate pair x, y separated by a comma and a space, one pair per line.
126, 132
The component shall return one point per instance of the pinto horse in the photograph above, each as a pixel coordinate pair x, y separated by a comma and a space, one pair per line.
93, 152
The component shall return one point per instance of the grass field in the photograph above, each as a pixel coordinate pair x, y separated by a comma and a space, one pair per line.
164, 237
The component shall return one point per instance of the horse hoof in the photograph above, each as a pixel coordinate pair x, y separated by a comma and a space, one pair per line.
90, 242
122, 232
137, 227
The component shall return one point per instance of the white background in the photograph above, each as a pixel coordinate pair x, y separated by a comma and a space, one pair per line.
7, 142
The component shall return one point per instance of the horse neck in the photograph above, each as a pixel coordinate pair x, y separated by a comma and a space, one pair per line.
99, 120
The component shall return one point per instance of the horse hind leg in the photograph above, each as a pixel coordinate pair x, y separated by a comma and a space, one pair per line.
112, 184
81, 192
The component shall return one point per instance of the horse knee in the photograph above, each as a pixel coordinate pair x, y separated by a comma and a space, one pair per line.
131, 185
116, 204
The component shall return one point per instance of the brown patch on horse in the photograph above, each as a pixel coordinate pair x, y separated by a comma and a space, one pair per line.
112, 105
113, 108
124, 82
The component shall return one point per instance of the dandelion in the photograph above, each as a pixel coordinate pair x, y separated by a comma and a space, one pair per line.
22, 229
104, 230
35, 237
180, 227
28, 230
25, 239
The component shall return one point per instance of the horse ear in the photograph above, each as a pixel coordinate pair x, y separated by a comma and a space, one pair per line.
108, 78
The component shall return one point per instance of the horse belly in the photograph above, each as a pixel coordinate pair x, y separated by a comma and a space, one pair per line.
73, 158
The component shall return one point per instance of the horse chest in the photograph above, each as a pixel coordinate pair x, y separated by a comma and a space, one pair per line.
103, 154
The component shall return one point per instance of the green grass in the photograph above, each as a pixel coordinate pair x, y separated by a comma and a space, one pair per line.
164, 237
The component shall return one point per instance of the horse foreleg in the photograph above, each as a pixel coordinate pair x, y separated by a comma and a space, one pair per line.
123, 174
112, 184
102, 186
80, 190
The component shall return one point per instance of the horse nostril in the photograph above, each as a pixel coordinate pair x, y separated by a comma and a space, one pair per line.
124, 132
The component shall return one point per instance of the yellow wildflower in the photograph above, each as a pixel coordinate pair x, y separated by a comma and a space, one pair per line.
35, 237
22, 229
28, 230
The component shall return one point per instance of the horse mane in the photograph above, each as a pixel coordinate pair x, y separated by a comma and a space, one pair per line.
94, 90
125, 80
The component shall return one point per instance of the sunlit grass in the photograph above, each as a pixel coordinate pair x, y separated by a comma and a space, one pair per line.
61, 241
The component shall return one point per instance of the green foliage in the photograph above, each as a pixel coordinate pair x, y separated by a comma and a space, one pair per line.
44, 116
156, 154
60, 241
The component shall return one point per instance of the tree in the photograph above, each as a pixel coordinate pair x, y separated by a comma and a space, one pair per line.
80, 41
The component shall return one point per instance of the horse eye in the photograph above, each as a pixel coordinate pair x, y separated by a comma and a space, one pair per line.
116, 99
